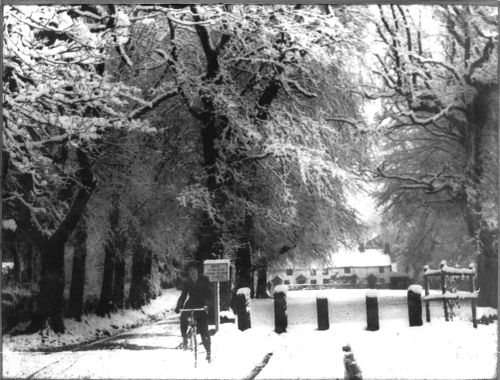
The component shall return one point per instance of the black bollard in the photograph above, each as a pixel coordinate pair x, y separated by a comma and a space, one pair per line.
322, 310
242, 306
280, 314
372, 311
415, 305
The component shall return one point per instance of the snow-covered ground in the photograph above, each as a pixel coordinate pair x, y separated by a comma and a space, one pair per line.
437, 350
93, 327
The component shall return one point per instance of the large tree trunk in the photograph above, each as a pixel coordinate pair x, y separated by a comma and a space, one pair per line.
243, 267
208, 233
119, 283
479, 116
105, 305
487, 265
134, 296
487, 258
147, 289
119, 275
50, 298
140, 286
75, 302
262, 280
27, 274
17, 270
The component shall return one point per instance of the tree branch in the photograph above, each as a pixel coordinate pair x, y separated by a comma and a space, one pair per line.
153, 103
207, 45
485, 56
28, 222
431, 186
301, 90
78, 205
351, 122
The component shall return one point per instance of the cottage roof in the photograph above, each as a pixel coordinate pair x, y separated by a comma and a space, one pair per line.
368, 258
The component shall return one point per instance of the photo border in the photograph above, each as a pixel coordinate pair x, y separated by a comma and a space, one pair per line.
491, 3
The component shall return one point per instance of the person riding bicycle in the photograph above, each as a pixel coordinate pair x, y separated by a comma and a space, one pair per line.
198, 288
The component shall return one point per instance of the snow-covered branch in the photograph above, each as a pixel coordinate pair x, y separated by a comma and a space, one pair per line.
152, 103
431, 183
481, 60
434, 62
353, 123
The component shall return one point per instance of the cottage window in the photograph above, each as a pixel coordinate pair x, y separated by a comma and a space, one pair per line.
347, 270
381, 269
289, 272
313, 272
314, 282
326, 281
381, 281
325, 272
287, 282
301, 280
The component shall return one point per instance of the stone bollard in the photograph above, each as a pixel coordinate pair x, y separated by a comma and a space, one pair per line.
415, 305
322, 310
280, 314
242, 306
372, 311
351, 368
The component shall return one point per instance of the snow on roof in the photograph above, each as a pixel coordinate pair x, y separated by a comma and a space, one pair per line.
368, 258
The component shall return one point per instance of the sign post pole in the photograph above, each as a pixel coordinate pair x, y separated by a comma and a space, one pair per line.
216, 271
217, 306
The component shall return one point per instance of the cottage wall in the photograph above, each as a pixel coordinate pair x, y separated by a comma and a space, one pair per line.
324, 275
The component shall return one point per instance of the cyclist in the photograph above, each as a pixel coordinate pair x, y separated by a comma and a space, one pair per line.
198, 288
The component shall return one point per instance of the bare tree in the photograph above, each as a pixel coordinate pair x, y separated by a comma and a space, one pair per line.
441, 110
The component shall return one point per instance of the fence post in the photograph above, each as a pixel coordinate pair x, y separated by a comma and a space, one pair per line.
443, 290
473, 300
242, 306
280, 314
426, 287
415, 305
372, 311
322, 311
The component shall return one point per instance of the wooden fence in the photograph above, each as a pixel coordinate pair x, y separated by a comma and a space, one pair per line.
446, 296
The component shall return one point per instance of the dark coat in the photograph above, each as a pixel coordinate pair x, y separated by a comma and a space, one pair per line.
199, 292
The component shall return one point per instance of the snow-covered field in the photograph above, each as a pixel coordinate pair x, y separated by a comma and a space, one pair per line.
438, 350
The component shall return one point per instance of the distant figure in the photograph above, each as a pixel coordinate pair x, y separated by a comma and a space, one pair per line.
198, 289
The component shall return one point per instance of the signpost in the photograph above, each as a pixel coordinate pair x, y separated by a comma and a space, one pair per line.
216, 271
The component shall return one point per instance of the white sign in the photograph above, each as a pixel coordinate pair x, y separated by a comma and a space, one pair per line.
216, 270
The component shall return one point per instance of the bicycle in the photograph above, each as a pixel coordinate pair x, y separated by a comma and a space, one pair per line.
192, 332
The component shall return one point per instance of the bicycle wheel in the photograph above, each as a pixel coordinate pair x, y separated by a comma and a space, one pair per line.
195, 346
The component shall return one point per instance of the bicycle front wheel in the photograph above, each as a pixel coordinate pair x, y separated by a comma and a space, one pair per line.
195, 346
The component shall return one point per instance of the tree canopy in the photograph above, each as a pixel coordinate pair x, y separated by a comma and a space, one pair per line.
138, 137
440, 125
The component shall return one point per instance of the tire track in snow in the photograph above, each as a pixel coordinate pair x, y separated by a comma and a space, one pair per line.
41, 369
68, 367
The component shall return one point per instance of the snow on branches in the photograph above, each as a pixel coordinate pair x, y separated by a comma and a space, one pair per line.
440, 122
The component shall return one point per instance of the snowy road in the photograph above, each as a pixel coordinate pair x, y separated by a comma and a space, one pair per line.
438, 350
